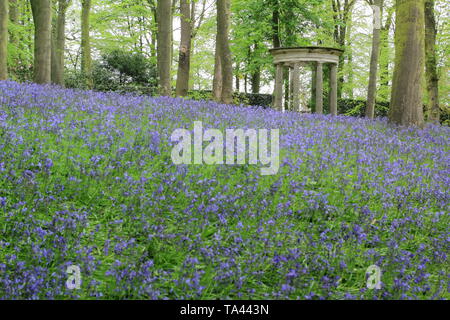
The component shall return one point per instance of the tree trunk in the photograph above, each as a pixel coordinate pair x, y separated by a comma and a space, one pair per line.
217, 81
349, 51
86, 58
42, 16
383, 92
246, 83
237, 80
432, 78
276, 26
154, 32
164, 46
58, 43
406, 101
256, 81
223, 26
184, 60
375, 55
4, 17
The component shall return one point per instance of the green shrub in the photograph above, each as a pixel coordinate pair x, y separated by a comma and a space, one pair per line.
239, 98
357, 107
120, 71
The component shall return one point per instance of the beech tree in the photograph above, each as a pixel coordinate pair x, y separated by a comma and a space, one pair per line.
190, 24
223, 31
377, 6
406, 100
384, 60
218, 79
432, 78
58, 42
164, 46
86, 58
185, 48
4, 17
42, 16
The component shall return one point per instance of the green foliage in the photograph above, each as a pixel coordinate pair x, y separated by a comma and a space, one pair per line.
129, 67
253, 31
357, 107
239, 98
21, 45
200, 95
254, 99
121, 71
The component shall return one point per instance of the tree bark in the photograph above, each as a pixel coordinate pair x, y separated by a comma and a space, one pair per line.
256, 81
217, 81
375, 55
58, 43
276, 26
86, 58
350, 66
164, 46
184, 59
278, 93
223, 27
383, 91
42, 16
4, 18
406, 101
154, 30
431, 74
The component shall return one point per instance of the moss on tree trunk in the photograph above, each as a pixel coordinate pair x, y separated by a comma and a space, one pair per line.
406, 100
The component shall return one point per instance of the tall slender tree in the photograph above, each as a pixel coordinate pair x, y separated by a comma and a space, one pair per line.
58, 42
4, 18
86, 57
377, 6
190, 24
218, 79
154, 29
223, 30
385, 61
184, 59
164, 49
406, 101
341, 15
432, 78
42, 16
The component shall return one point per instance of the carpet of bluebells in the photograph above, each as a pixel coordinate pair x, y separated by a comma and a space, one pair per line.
86, 179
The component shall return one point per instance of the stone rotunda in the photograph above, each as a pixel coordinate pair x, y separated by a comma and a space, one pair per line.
295, 58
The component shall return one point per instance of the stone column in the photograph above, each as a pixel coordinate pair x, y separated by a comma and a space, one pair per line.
291, 87
333, 89
296, 88
278, 103
319, 88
